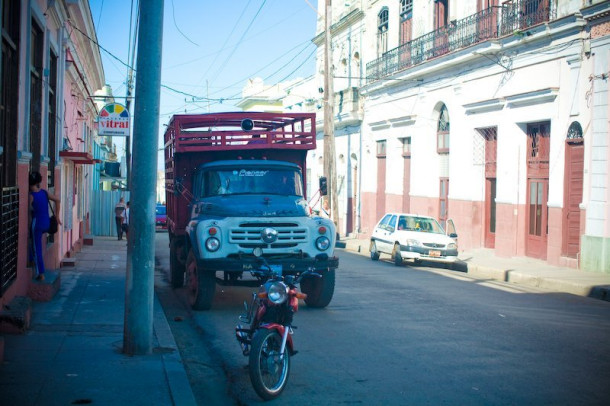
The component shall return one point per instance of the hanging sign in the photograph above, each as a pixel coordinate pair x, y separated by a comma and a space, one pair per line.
113, 121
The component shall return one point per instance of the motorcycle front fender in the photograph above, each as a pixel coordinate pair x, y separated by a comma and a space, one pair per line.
280, 330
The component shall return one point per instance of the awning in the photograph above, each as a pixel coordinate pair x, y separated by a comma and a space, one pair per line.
83, 158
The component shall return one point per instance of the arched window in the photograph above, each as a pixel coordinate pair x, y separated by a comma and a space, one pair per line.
442, 131
575, 133
382, 31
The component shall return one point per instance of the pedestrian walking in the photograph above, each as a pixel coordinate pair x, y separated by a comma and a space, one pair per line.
125, 224
39, 203
119, 214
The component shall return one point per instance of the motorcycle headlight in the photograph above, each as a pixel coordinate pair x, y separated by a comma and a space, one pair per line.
322, 243
414, 243
277, 292
212, 244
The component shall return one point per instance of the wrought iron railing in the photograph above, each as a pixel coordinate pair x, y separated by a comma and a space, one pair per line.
520, 14
493, 22
9, 236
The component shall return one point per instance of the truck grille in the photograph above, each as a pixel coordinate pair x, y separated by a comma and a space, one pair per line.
248, 235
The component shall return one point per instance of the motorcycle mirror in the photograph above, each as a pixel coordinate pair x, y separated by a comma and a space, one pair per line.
257, 252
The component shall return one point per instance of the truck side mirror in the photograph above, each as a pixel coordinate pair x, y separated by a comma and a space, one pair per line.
323, 186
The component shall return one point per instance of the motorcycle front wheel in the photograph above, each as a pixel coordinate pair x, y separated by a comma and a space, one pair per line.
268, 369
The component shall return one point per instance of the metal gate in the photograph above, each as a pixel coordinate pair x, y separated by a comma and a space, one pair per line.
102, 211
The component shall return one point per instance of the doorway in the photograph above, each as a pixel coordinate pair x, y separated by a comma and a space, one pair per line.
574, 172
538, 148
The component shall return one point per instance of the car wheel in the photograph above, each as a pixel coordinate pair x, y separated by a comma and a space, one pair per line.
374, 252
396, 255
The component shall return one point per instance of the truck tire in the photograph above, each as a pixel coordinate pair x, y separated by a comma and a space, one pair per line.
319, 290
201, 284
176, 267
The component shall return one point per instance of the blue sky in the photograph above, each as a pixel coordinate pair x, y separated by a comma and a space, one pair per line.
212, 47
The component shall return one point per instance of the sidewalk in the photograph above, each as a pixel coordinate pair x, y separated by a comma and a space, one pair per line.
72, 353
482, 263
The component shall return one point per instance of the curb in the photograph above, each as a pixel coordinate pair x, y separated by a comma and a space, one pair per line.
550, 281
177, 379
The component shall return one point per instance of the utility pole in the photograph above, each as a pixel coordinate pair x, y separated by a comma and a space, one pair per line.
139, 289
128, 138
128, 99
330, 170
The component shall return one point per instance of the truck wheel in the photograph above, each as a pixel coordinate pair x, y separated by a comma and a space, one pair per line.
319, 290
201, 284
176, 267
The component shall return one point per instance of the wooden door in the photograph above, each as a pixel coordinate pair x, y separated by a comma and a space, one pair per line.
572, 198
381, 178
537, 217
491, 153
406, 185
490, 212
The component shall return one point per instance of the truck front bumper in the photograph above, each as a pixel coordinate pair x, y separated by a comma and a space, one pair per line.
250, 263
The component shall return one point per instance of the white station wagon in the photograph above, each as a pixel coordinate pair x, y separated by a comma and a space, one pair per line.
415, 238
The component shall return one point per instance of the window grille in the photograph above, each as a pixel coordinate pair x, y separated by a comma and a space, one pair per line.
9, 237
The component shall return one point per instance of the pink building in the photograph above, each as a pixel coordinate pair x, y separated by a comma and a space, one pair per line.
51, 68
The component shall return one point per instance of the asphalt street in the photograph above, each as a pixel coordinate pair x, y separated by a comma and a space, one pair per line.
407, 335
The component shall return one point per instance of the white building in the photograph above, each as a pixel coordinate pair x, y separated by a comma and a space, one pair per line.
494, 116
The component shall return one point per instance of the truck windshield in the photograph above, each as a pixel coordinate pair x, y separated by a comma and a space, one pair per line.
242, 181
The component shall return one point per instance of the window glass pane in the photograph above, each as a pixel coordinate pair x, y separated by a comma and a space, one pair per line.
385, 220
381, 147
392, 224
251, 181
406, 146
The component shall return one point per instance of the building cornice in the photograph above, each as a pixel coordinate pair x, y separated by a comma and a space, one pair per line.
596, 12
339, 26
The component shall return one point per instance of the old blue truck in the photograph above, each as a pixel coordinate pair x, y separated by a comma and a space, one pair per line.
235, 182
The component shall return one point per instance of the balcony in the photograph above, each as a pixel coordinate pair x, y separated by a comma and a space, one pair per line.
491, 23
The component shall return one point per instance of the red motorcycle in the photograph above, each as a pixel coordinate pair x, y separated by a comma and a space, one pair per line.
268, 340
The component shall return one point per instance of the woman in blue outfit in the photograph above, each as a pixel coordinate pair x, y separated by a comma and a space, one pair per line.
39, 206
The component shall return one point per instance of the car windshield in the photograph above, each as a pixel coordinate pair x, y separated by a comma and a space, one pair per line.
160, 210
285, 182
424, 224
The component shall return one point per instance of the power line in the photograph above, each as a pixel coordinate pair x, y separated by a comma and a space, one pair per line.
222, 66
307, 43
226, 40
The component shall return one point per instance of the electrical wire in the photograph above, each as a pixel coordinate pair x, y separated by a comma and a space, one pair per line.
306, 43
225, 43
178, 28
223, 65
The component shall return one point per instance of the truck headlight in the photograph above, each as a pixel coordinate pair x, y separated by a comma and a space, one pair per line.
322, 243
277, 292
212, 244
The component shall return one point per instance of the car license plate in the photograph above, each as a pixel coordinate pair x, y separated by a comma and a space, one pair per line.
276, 269
433, 253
